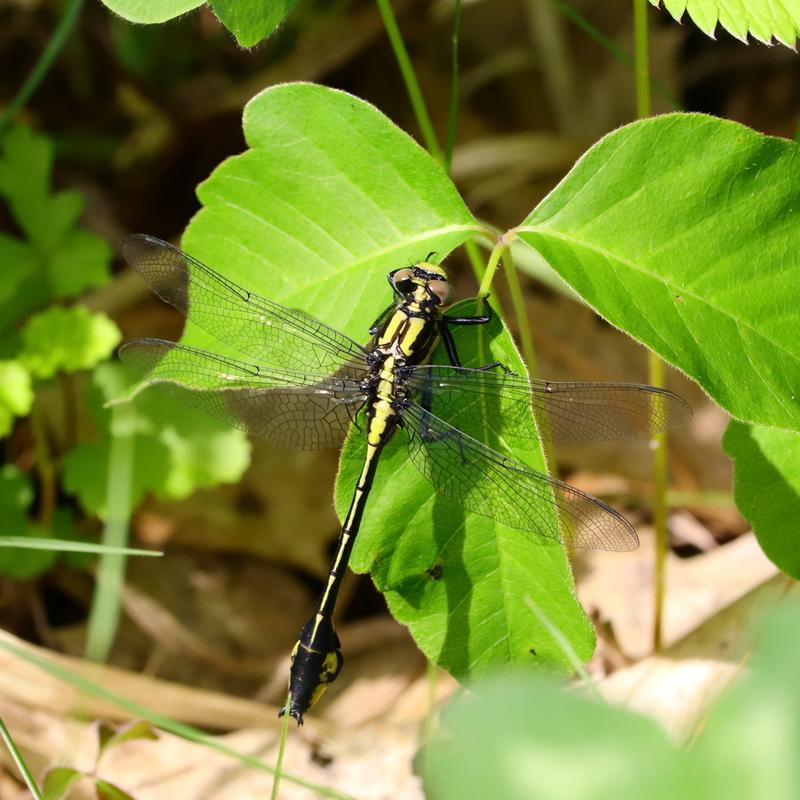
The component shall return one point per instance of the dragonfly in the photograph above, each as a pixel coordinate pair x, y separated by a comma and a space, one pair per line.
302, 385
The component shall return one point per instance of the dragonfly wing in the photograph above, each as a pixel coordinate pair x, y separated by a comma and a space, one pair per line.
260, 329
571, 411
295, 410
488, 483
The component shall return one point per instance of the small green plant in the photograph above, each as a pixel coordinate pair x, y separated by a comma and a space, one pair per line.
520, 737
46, 348
59, 780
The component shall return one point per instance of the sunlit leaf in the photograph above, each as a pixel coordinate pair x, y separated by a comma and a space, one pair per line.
67, 339
764, 20
351, 197
16, 393
250, 21
58, 781
684, 231
149, 11
767, 488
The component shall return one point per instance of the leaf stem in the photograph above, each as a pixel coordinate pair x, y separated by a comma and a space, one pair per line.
520, 312
20, 762
105, 612
452, 117
528, 350
655, 366
410, 79
502, 244
60, 35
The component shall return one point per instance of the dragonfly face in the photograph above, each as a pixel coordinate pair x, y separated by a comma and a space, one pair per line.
424, 283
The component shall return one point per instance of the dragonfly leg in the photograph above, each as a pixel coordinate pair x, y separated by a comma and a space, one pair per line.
450, 345
380, 320
316, 662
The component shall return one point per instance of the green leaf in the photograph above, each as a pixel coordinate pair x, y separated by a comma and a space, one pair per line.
18, 261
16, 498
322, 152
459, 580
85, 472
110, 736
108, 791
58, 259
148, 11
58, 781
764, 20
350, 197
67, 339
250, 21
683, 230
176, 450
16, 393
767, 488
518, 739
526, 738
80, 262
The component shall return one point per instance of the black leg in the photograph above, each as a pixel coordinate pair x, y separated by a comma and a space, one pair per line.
481, 320
449, 343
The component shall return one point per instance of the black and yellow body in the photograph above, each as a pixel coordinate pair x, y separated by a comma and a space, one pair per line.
302, 384
404, 336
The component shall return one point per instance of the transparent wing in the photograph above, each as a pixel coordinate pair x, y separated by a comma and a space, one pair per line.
261, 330
572, 411
295, 410
488, 483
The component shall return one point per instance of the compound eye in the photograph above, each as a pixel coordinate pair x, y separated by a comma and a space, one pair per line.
402, 276
443, 290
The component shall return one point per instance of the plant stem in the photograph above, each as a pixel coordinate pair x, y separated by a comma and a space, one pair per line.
105, 612
410, 79
60, 35
491, 267
615, 50
45, 468
20, 762
654, 364
520, 312
276, 783
452, 117
641, 59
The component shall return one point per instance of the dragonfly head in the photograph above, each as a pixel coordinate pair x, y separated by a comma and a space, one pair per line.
424, 282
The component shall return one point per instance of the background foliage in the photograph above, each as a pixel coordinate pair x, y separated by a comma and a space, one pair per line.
679, 230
